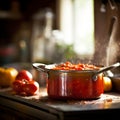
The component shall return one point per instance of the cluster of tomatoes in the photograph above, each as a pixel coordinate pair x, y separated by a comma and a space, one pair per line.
24, 84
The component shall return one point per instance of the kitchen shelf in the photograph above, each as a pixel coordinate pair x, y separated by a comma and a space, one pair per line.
9, 15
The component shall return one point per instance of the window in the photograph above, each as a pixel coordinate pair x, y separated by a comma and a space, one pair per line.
77, 25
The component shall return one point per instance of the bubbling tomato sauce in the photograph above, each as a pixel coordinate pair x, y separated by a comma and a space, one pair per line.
70, 66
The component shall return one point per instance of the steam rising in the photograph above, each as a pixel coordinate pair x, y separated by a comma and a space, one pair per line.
112, 52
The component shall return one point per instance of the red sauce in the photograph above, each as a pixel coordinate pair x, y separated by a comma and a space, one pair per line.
80, 66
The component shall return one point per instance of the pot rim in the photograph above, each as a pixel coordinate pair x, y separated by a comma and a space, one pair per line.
48, 68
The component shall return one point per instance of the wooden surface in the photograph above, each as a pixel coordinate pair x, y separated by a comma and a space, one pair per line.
41, 106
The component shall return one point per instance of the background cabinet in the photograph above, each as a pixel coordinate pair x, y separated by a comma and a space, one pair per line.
16, 15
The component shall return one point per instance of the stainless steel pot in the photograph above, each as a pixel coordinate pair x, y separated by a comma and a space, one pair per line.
74, 84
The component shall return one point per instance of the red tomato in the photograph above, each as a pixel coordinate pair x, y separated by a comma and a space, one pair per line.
18, 86
24, 87
24, 74
31, 87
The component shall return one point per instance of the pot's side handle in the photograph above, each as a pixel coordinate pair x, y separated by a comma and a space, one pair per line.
104, 69
40, 67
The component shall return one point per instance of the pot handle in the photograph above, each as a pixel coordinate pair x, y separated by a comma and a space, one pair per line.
40, 67
105, 69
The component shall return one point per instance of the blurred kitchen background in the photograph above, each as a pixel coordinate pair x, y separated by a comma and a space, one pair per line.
53, 31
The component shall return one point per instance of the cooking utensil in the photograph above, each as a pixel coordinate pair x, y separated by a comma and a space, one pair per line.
116, 82
74, 84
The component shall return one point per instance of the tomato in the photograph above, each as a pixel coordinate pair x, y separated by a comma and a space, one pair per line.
107, 84
31, 87
24, 74
7, 76
18, 85
25, 87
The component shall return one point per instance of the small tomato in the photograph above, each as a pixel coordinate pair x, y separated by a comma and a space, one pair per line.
24, 74
107, 84
18, 86
31, 87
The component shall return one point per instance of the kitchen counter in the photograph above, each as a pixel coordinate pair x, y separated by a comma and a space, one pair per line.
43, 108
